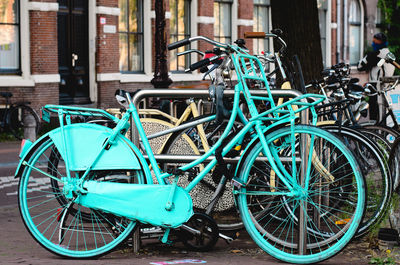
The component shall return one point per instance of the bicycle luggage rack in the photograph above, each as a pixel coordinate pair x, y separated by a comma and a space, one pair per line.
202, 94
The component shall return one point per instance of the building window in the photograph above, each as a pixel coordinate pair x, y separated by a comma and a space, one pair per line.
354, 31
131, 36
179, 28
9, 37
322, 15
223, 21
379, 20
261, 24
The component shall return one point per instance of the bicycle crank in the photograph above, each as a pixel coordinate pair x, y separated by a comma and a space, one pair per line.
200, 233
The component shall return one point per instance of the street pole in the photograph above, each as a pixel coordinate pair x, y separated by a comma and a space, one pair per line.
160, 79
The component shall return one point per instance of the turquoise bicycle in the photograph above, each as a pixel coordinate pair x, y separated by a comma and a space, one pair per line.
299, 191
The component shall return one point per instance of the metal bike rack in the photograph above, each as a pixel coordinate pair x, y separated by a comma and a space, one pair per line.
203, 94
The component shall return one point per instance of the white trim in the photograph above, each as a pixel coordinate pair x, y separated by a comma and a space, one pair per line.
245, 22
102, 77
25, 42
193, 29
186, 77
205, 20
328, 30
49, 78
42, 6
234, 23
362, 29
15, 81
153, 14
147, 37
92, 32
135, 78
106, 10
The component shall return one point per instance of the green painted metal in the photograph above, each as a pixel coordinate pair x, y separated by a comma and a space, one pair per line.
85, 141
143, 202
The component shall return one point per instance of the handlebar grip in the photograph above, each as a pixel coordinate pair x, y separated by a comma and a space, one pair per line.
199, 64
254, 35
178, 44
396, 65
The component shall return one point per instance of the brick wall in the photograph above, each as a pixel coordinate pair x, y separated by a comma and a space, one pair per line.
43, 48
107, 56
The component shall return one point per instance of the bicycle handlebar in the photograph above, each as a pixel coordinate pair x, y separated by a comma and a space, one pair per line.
190, 51
263, 35
204, 62
184, 42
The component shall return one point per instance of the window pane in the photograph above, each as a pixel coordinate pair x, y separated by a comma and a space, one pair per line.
123, 16
354, 12
9, 47
123, 52
261, 23
9, 11
134, 16
354, 44
222, 26
135, 51
179, 29
131, 36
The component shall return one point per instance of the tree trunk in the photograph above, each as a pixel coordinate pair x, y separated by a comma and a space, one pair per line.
300, 24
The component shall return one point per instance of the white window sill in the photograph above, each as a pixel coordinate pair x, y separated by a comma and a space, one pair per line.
15, 81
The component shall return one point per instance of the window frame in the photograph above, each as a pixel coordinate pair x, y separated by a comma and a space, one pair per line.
231, 3
129, 33
256, 42
18, 71
187, 34
361, 27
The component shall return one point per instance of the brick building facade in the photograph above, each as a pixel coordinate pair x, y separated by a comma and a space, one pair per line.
79, 52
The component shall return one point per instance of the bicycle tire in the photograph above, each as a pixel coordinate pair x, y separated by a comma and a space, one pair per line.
59, 225
375, 171
17, 119
394, 164
386, 132
347, 187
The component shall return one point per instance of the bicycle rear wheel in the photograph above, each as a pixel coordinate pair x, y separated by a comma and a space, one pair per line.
21, 116
58, 222
307, 225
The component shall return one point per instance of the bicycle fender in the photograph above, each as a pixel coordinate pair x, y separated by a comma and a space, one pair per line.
27, 151
84, 143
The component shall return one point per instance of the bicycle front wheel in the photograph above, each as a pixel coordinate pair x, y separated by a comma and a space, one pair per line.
20, 117
57, 221
316, 219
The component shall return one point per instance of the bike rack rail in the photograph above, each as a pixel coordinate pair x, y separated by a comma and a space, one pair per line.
203, 94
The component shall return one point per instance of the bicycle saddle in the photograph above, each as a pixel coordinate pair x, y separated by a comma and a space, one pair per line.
120, 95
6, 94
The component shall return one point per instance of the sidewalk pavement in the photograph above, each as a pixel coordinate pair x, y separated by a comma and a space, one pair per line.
18, 247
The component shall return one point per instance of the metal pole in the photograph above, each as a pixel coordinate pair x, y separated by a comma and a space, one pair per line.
161, 79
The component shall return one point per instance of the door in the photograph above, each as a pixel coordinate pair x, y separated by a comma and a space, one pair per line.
73, 51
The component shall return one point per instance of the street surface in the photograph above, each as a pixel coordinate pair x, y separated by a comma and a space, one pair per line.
18, 247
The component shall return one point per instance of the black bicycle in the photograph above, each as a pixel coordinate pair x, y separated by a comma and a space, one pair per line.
16, 116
